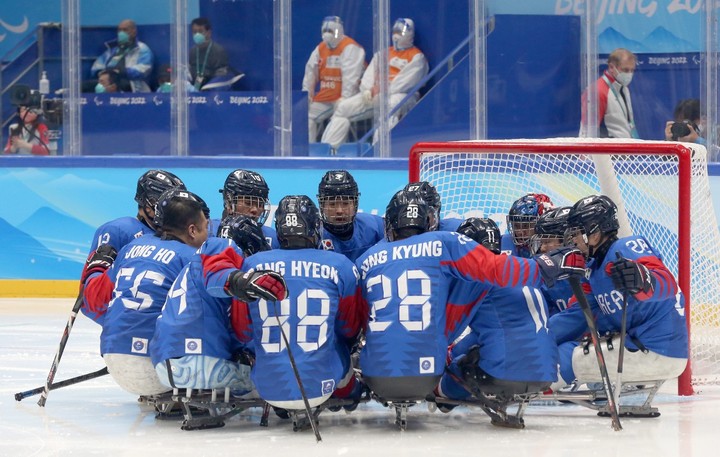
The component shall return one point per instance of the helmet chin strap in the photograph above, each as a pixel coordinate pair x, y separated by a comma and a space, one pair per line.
144, 218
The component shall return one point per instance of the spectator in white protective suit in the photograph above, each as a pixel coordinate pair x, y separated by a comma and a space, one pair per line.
332, 73
407, 66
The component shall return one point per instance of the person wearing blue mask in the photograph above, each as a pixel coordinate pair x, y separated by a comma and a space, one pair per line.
208, 59
108, 82
129, 58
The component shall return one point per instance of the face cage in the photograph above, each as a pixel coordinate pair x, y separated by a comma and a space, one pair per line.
536, 242
248, 201
332, 219
573, 232
521, 228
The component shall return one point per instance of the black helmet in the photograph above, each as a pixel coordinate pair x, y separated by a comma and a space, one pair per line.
429, 193
246, 184
482, 230
245, 232
336, 186
169, 215
523, 214
298, 224
550, 226
153, 183
407, 214
594, 213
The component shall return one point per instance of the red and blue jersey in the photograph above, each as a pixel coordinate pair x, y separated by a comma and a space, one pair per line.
320, 318
422, 292
655, 320
196, 317
132, 291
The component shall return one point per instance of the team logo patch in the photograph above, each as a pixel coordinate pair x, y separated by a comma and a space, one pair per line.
193, 346
427, 365
587, 273
328, 386
328, 245
139, 346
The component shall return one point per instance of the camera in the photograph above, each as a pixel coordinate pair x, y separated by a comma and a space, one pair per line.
22, 95
681, 129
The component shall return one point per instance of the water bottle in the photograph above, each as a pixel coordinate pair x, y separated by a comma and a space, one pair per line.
44, 85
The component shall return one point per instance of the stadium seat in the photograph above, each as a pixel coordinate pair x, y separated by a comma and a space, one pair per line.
319, 150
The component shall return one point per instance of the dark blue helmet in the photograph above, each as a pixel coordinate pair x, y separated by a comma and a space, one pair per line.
338, 198
249, 189
523, 214
298, 224
153, 183
175, 208
407, 214
482, 230
592, 214
551, 226
245, 232
429, 193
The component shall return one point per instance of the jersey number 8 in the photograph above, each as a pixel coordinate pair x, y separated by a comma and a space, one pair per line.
302, 336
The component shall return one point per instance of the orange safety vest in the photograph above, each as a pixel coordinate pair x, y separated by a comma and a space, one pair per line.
330, 70
399, 59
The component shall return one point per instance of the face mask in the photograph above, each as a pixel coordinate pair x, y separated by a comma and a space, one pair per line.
199, 38
165, 87
624, 78
99, 88
123, 37
330, 40
401, 42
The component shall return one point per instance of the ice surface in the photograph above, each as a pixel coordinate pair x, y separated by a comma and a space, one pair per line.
97, 418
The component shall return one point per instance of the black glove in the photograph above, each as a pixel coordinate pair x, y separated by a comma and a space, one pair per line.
99, 261
630, 276
561, 263
256, 284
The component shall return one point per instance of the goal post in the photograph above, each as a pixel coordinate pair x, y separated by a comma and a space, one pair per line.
661, 189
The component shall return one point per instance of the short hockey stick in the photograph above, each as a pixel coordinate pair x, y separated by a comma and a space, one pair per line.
607, 385
308, 410
63, 341
68, 382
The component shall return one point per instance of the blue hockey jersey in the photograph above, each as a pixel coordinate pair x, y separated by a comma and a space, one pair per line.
320, 318
655, 321
368, 229
509, 248
269, 232
119, 232
140, 279
195, 319
422, 292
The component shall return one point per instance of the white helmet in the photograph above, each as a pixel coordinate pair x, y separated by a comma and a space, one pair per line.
332, 31
403, 33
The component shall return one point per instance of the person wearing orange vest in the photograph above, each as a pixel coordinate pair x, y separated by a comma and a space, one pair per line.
332, 73
407, 67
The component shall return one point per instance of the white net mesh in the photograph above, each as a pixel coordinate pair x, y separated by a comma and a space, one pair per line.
485, 182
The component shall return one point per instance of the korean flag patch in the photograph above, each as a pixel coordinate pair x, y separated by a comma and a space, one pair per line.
427, 365
193, 346
327, 244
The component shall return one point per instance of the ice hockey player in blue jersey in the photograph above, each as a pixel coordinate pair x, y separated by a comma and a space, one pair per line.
119, 232
423, 287
320, 317
521, 219
346, 231
429, 193
549, 235
509, 349
194, 345
623, 272
246, 193
132, 289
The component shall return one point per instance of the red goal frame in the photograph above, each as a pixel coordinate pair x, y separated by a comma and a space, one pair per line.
580, 147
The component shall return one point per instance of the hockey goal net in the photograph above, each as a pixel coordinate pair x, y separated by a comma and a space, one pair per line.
661, 188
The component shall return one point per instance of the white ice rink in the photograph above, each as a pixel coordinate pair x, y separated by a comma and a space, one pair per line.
98, 418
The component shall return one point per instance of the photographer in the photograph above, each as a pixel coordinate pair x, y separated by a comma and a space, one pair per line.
30, 135
688, 126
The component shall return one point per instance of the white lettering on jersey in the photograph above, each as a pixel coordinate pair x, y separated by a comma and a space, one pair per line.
313, 270
374, 259
277, 267
424, 249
